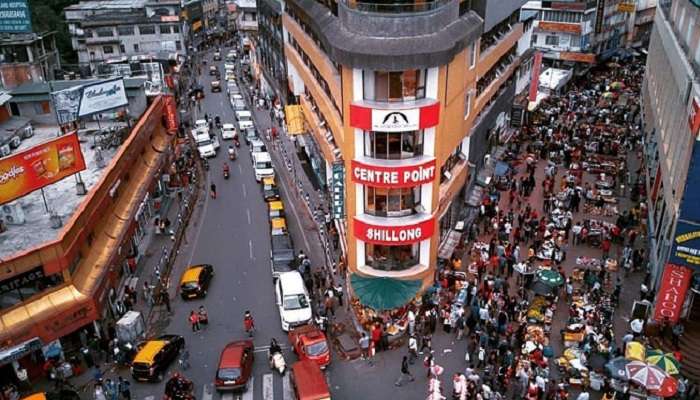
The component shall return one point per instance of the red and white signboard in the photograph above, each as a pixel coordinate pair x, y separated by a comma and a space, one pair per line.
394, 176
394, 235
395, 120
694, 117
674, 285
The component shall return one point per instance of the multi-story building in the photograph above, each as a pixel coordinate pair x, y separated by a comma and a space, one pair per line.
210, 9
641, 23
246, 15
392, 94
27, 57
671, 104
269, 49
107, 30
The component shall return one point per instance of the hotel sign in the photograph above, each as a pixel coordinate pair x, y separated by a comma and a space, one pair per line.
394, 176
394, 120
674, 285
15, 16
394, 235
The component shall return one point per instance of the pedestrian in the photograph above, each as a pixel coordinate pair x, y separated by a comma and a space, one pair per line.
194, 321
124, 388
338, 290
165, 300
412, 349
212, 190
677, 332
426, 343
111, 390
405, 372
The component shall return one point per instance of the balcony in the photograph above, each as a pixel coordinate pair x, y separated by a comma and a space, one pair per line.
321, 134
493, 53
492, 85
398, 7
451, 187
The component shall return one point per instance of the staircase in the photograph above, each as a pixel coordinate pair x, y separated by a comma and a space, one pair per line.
689, 344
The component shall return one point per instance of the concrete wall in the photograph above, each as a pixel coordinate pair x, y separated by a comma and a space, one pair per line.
495, 11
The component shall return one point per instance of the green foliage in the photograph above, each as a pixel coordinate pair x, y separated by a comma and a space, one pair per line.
47, 15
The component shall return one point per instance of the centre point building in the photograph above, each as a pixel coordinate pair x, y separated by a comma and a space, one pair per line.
401, 100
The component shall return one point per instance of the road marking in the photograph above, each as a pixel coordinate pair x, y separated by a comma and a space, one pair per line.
248, 213
260, 349
207, 392
250, 247
245, 193
286, 388
268, 387
227, 396
248, 394
240, 169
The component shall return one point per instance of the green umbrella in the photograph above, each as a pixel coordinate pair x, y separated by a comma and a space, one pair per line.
550, 277
384, 293
665, 361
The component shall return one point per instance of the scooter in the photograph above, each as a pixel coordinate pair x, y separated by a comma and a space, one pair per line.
277, 363
237, 142
231, 153
226, 173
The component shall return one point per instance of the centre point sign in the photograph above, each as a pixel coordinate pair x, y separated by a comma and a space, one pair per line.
394, 176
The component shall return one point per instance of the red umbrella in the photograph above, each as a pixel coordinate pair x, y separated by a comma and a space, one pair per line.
649, 376
669, 387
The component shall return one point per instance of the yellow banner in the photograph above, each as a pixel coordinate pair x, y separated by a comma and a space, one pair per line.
626, 7
295, 119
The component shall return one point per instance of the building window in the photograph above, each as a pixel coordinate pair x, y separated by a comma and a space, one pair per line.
104, 32
147, 29
575, 41
178, 45
472, 55
468, 103
21, 287
107, 49
393, 145
122, 49
384, 202
392, 258
550, 40
125, 30
394, 86
136, 47
176, 28
165, 29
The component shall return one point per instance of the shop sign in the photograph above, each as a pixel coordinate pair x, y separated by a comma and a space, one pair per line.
22, 279
15, 16
102, 96
338, 187
559, 27
169, 18
535, 79
626, 7
394, 120
599, 16
39, 166
577, 57
686, 245
674, 285
394, 235
68, 321
171, 114
394, 176
15, 353
694, 117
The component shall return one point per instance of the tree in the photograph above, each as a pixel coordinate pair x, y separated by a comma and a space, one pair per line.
47, 15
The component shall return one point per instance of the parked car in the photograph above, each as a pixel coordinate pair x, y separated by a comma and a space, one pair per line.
270, 190
228, 131
250, 134
214, 71
235, 366
257, 146
309, 343
292, 300
217, 56
308, 381
153, 357
282, 258
278, 226
275, 209
195, 281
262, 163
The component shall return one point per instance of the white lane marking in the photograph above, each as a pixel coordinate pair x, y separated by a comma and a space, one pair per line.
250, 391
268, 387
248, 213
260, 349
240, 169
227, 396
207, 392
287, 393
245, 193
250, 247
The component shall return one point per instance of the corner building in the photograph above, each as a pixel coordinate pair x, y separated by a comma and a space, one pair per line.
390, 93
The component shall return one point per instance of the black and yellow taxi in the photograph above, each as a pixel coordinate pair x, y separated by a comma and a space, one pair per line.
155, 356
275, 209
195, 281
278, 226
270, 190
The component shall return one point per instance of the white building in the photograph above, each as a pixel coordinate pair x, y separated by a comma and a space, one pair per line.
108, 30
247, 19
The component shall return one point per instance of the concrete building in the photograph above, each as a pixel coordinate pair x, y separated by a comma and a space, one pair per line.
399, 100
27, 57
246, 15
671, 100
210, 9
641, 23
270, 49
108, 30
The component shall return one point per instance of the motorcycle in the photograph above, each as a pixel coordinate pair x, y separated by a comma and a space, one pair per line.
205, 164
237, 142
277, 362
226, 172
231, 153
179, 388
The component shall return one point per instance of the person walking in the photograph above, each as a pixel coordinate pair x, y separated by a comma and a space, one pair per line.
405, 372
412, 349
194, 321
124, 389
212, 190
365, 347
165, 300
426, 343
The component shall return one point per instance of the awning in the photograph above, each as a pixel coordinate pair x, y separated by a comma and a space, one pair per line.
14, 353
448, 246
384, 293
502, 168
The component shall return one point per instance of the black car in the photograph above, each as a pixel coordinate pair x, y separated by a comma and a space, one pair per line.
195, 281
282, 258
155, 356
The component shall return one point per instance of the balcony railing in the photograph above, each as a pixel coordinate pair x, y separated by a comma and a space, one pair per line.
398, 7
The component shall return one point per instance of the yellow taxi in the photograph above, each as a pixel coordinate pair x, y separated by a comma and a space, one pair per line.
270, 190
278, 226
275, 209
195, 281
154, 357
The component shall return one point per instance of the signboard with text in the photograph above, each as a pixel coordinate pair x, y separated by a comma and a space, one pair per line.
393, 176
39, 166
671, 296
102, 96
392, 234
559, 27
15, 16
338, 187
394, 120
599, 16
686, 245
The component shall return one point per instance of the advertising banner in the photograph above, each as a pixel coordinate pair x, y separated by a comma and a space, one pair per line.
393, 176
559, 27
39, 166
394, 235
66, 103
599, 16
674, 285
171, 115
15, 16
686, 245
102, 96
394, 120
535, 80
295, 119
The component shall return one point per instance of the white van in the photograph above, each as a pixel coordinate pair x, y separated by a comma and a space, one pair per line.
292, 300
262, 163
244, 115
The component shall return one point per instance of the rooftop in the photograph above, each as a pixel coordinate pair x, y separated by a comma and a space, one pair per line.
106, 5
61, 197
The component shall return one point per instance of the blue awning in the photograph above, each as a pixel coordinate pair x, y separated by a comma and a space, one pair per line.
502, 168
384, 293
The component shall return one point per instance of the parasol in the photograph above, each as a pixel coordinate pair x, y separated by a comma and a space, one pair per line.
617, 85
616, 367
607, 95
541, 288
669, 387
550, 277
613, 65
635, 351
665, 361
649, 376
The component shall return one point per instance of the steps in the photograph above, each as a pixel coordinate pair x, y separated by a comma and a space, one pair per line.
689, 344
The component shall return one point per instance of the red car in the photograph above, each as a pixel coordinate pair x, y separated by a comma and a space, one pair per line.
309, 343
235, 366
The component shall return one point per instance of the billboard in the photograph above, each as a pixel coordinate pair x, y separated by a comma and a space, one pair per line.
671, 296
15, 16
102, 96
39, 166
66, 103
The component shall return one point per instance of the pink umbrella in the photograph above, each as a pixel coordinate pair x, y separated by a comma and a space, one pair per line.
647, 375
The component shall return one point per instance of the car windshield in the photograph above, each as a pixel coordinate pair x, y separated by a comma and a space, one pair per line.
229, 374
263, 165
190, 285
206, 142
268, 187
295, 302
316, 349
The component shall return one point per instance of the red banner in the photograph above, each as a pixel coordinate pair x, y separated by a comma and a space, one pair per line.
674, 285
39, 166
559, 27
394, 120
394, 235
535, 80
171, 114
694, 117
393, 176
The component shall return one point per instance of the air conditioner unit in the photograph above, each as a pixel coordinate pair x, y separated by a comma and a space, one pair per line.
28, 132
15, 142
323, 123
336, 152
12, 214
5, 150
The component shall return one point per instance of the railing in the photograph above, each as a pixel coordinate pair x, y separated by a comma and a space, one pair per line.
398, 7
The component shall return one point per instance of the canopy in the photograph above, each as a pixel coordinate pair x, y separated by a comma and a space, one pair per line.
384, 293
502, 168
650, 377
665, 361
635, 351
616, 367
550, 277
541, 288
